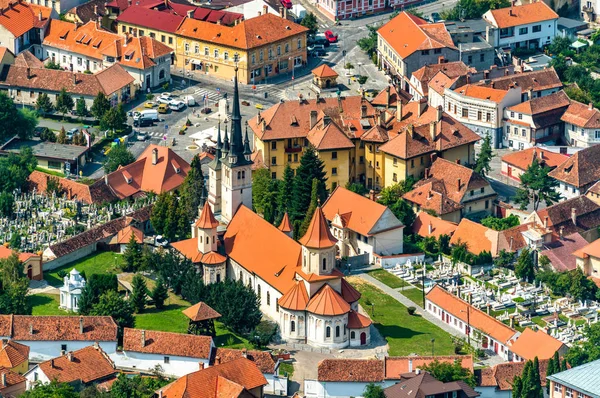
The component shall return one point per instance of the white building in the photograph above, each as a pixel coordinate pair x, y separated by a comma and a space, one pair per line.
578, 172
51, 336
70, 291
363, 226
481, 108
530, 26
582, 125
177, 354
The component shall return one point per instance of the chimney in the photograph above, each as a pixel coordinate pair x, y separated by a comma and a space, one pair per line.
458, 184
143, 338
510, 245
76, 26
28, 73
259, 13
106, 179
432, 130
426, 172
486, 74
546, 222
284, 13
95, 11
398, 109
430, 228
52, 363
382, 119
190, 14
410, 130
512, 322
258, 118
313, 118
40, 16
244, 353
129, 2
410, 365
439, 112
4, 379
590, 106
487, 309
263, 126
201, 365
363, 111
387, 97
125, 39
154, 156
561, 232
81, 325
417, 371
441, 59
574, 215
74, 78
422, 105
217, 360
31, 328
281, 11
70, 356
265, 9
318, 98
372, 195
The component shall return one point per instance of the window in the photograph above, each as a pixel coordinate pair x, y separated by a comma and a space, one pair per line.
481, 57
512, 114
352, 335
568, 392
274, 175
54, 165
472, 192
487, 204
437, 51
299, 44
295, 157
278, 50
141, 32
258, 290
166, 360
536, 28
186, 47
481, 190
260, 56
334, 155
395, 177
287, 48
328, 332
557, 388
273, 145
324, 264
162, 37
170, 40
412, 163
523, 132
361, 159
465, 112
269, 294
226, 56
337, 331
395, 161
424, 52
206, 51
523, 31
334, 171
270, 53
520, 116
479, 114
488, 117
63, 347
597, 134
197, 49
289, 157
216, 53
293, 326
123, 29
253, 59
273, 160
470, 59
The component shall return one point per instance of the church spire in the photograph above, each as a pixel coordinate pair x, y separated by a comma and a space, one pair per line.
247, 151
225, 143
236, 155
215, 164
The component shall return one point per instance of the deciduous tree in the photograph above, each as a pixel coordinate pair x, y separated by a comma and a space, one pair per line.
100, 106
118, 156
537, 187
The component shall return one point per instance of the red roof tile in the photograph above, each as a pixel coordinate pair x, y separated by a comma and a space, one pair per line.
262, 359
12, 379
397, 366
213, 258
285, 225
328, 137
521, 14
295, 299
21, 17
67, 328
358, 321
542, 104
189, 248
543, 79
201, 312
207, 219
318, 234
349, 293
166, 343
324, 70
150, 18
124, 235
97, 193
350, 370
13, 354
581, 115
523, 159
328, 302
531, 344
424, 223
580, 169
89, 364
388, 97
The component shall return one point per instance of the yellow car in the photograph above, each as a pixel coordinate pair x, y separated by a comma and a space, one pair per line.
149, 105
163, 108
258, 106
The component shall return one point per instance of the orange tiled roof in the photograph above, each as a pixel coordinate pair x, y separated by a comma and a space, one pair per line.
28, 60
124, 235
167, 174
396, 366
590, 250
441, 82
523, 159
286, 225
189, 248
207, 219
328, 137
13, 354
438, 226
5, 252
478, 319
360, 214
295, 299
262, 359
407, 34
324, 70
217, 381
381, 99
213, 258
358, 321
12, 378
450, 70
542, 104
479, 238
98, 192
54, 328
167, 343
503, 375
349, 293
318, 234
521, 15
531, 344
261, 248
250, 33
21, 17
350, 370
482, 92
201, 312
88, 365
581, 115
543, 79
580, 169
328, 302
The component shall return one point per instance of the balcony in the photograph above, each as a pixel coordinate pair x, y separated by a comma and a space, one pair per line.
293, 149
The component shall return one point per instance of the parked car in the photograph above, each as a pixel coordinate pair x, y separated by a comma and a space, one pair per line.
286, 3
39, 130
149, 104
163, 108
165, 95
315, 47
71, 133
177, 105
165, 99
331, 38
150, 114
161, 241
141, 136
435, 17
143, 121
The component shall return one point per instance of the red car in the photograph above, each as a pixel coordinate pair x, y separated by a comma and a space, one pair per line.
331, 37
286, 3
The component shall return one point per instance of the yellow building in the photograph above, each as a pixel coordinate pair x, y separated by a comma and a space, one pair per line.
332, 125
142, 21
264, 46
14, 356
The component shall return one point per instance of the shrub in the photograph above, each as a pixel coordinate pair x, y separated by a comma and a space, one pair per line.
411, 310
62, 273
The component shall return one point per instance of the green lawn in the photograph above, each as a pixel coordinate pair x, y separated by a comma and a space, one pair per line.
45, 304
286, 369
388, 278
415, 295
404, 333
95, 263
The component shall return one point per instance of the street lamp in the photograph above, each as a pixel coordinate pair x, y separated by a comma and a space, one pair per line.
432, 347
468, 325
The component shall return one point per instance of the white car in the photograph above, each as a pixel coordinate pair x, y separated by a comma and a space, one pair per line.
177, 105
161, 241
165, 95
164, 100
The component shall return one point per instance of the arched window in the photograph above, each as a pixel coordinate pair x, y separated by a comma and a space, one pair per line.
207, 240
161, 74
268, 298
352, 335
276, 306
337, 331
293, 326
324, 264
243, 174
328, 332
218, 278
239, 175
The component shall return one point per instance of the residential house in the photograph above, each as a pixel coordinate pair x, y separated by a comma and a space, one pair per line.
123, 237
177, 354
48, 336
22, 26
388, 97
407, 42
482, 329
481, 108
529, 26
560, 251
32, 263
395, 367
63, 158
97, 193
12, 384
497, 381
14, 356
419, 79
587, 259
240, 378
516, 163
452, 191
141, 20
579, 381
421, 383
537, 121
406, 146
345, 378
582, 125
470, 37
578, 214
26, 84
578, 172
536, 344
80, 368
533, 84
426, 225
91, 48
437, 86
258, 48
276, 384
363, 227
158, 169
93, 10
281, 134
88, 241
593, 193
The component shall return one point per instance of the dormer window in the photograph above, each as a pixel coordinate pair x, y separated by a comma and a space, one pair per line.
129, 55
176, 166
128, 177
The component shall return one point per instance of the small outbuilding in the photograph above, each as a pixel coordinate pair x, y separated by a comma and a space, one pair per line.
324, 78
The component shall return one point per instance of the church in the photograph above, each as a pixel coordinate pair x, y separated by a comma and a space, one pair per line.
297, 282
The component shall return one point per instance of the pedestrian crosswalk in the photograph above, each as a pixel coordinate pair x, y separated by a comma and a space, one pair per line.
211, 96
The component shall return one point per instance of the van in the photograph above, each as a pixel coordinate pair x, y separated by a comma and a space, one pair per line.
143, 121
189, 100
150, 114
177, 105
163, 108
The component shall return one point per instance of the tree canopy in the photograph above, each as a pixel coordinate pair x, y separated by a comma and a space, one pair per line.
310, 167
484, 158
118, 156
447, 372
537, 187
